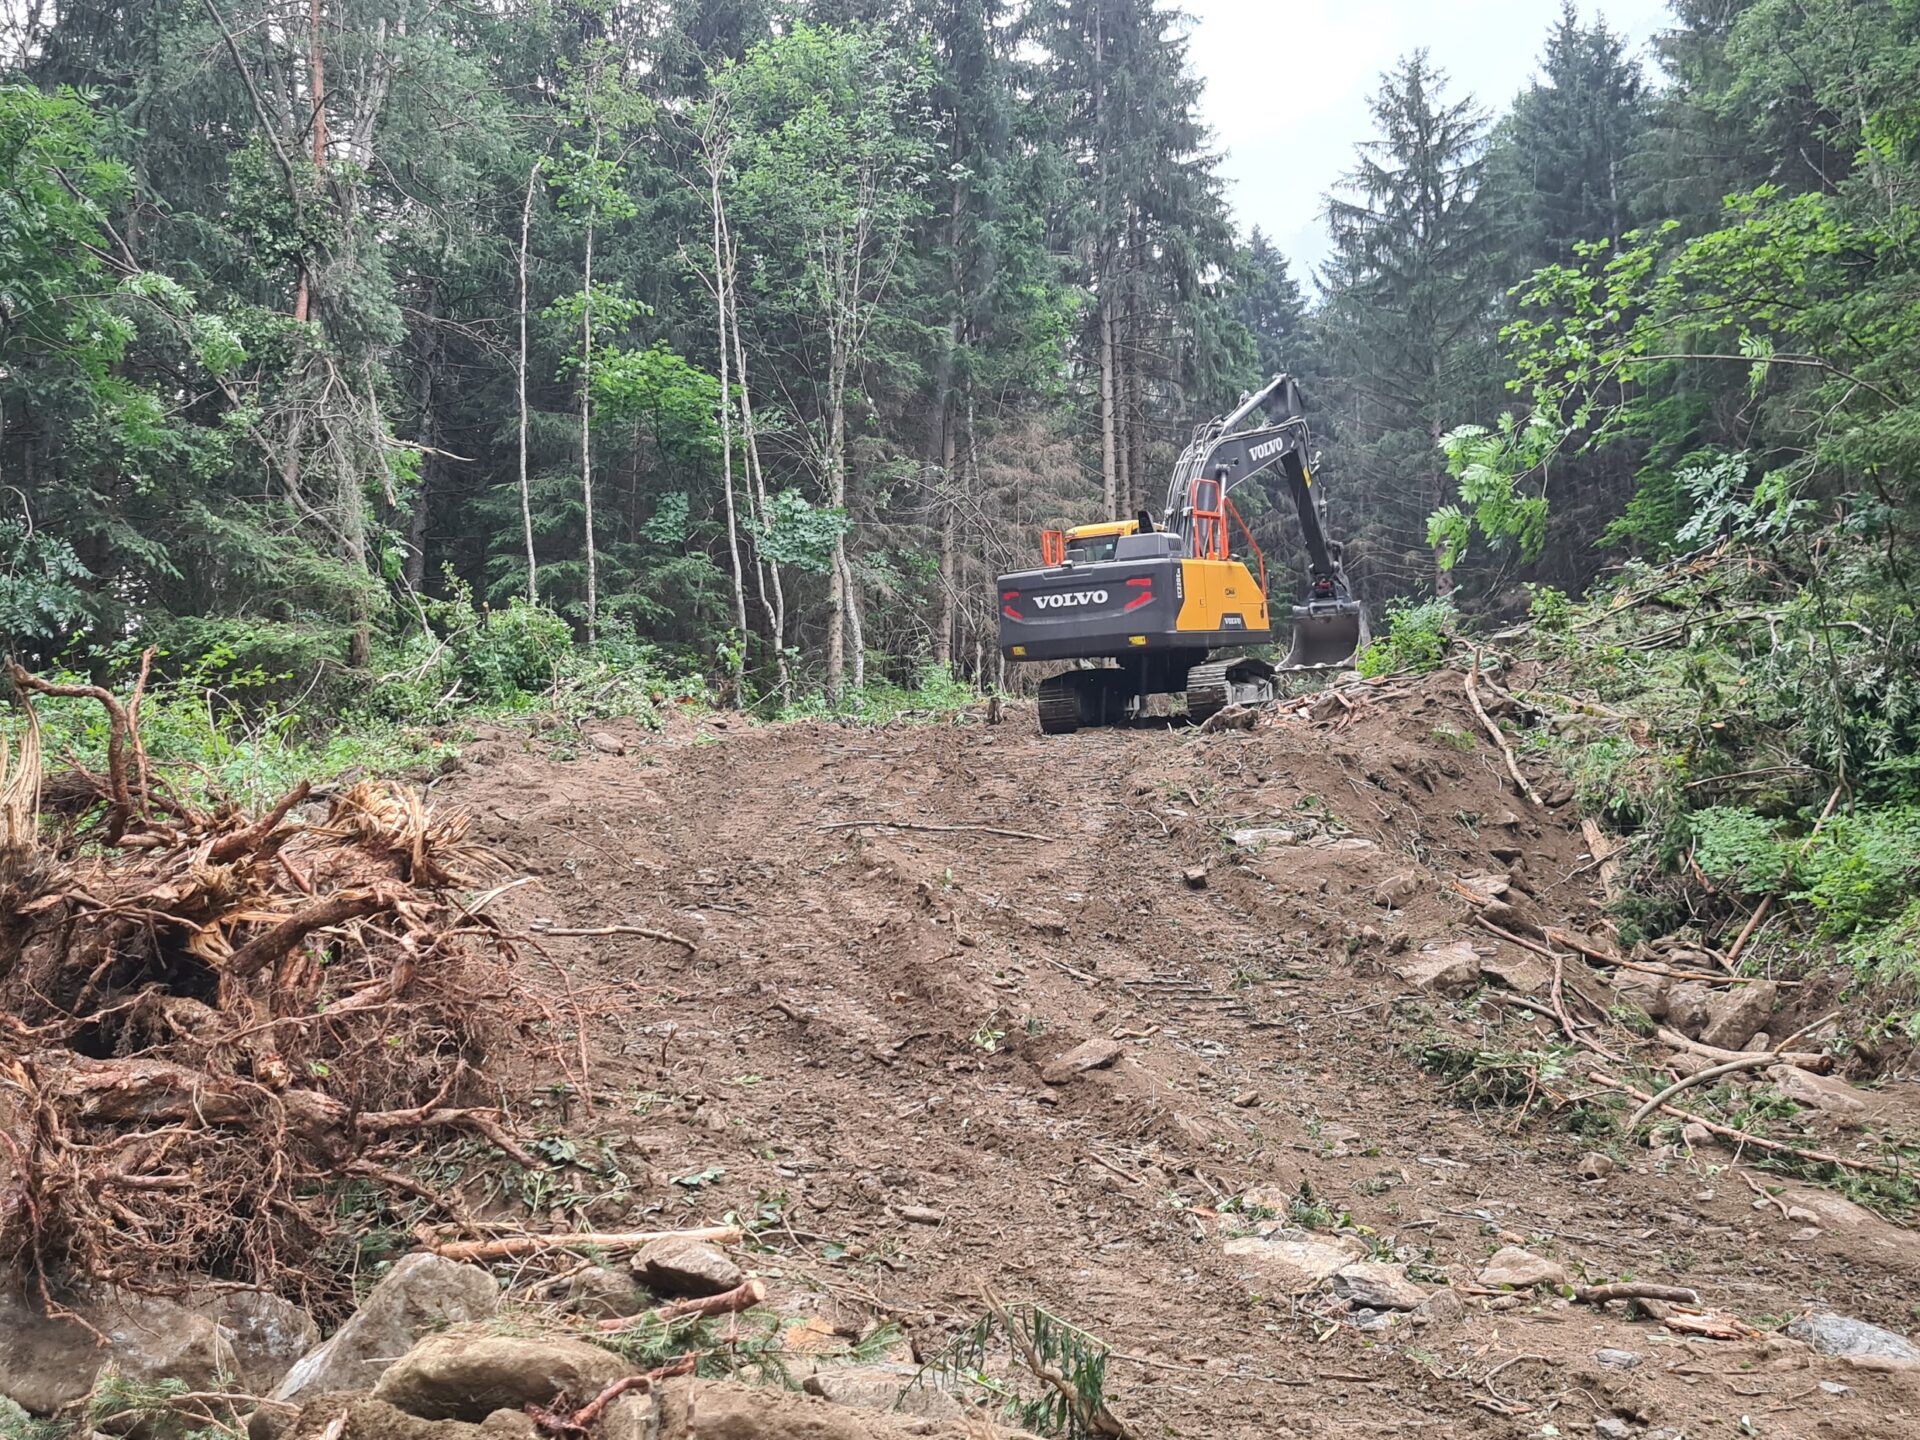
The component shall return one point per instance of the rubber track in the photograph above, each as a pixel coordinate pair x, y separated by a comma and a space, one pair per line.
1059, 705
1207, 689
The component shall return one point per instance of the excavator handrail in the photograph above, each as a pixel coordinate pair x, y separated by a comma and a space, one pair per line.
1252, 544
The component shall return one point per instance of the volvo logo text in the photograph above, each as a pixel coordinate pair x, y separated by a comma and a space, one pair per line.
1070, 597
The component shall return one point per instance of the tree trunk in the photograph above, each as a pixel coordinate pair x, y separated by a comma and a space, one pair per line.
520, 378
1109, 459
840, 592
720, 286
586, 431
767, 572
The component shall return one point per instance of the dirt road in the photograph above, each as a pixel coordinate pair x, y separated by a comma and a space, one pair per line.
895, 933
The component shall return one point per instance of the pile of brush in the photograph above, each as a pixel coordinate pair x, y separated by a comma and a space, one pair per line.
211, 1023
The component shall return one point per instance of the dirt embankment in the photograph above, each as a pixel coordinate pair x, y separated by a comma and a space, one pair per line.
898, 937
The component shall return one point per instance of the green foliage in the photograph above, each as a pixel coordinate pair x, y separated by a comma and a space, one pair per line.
40, 579
1416, 641
798, 533
936, 692
1736, 845
1488, 465
1035, 1340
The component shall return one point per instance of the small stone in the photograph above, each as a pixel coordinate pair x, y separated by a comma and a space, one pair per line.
1247, 1099
1824, 1093
1618, 1359
598, 1292
1508, 854
1694, 1133
1521, 1269
1294, 1260
1374, 1286
1255, 836
1451, 969
1612, 1427
1195, 876
1838, 1335
1595, 1166
921, 1215
1397, 889
685, 1269
1441, 1307
1090, 1055
883, 1387
1834, 1387
607, 744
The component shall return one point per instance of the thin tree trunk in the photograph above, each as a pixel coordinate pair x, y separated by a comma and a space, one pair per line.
586, 427
721, 281
1109, 460
839, 592
766, 572
520, 376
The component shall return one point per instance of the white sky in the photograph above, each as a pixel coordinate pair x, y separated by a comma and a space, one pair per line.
1287, 85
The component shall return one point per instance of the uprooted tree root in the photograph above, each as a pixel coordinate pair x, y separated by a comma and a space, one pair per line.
209, 1022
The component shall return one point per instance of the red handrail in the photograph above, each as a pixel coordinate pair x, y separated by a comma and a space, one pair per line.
1252, 544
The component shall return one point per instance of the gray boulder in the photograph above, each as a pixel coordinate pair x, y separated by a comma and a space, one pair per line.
467, 1375
1522, 1269
268, 1334
1837, 1335
685, 1269
420, 1294
45, 1364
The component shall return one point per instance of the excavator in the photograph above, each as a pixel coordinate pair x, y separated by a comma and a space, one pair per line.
1160, 610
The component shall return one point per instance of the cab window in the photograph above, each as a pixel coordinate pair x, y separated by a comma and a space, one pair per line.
1093, 548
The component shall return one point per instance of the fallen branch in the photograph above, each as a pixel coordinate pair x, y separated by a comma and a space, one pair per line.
1493, 732
1819, 1063
597, 932
240, 842
1700, 1077
728, 1302
945, 829
584, 1417
257, 954
1634, 1290
1743, 1137
508, 1246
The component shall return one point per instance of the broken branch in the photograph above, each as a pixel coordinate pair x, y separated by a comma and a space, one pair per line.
509, 1246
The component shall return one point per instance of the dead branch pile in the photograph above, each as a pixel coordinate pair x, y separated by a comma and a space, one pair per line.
211, 1022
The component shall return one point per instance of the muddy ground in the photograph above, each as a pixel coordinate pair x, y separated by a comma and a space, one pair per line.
852, 1053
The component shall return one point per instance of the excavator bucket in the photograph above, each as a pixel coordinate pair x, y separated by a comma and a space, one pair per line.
1327, 635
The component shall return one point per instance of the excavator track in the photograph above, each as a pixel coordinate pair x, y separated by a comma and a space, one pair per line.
1060, 704
1219, 683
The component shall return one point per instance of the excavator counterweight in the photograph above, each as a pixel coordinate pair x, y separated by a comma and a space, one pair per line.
1145, 607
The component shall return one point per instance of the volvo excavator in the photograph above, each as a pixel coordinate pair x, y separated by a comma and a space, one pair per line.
1159, 609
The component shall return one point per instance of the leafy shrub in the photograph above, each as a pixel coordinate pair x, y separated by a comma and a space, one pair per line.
1861, 869
1416, 641
1736, 845
936, 691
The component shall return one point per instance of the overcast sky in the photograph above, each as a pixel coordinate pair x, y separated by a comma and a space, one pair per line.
1287, 85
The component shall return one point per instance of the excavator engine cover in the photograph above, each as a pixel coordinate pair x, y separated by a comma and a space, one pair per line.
1327, 635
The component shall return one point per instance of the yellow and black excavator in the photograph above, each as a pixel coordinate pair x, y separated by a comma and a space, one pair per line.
1145, 608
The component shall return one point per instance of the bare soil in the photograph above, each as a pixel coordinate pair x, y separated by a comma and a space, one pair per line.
852, 1050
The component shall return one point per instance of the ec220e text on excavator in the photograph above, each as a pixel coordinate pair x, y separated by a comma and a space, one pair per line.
1145, 609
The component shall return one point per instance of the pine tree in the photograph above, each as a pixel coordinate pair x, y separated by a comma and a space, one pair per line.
1411, 290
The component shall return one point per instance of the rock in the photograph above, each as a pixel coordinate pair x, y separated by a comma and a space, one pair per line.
1734, 1016
420, 1294
1522, 973
1595, 1166
1294, 1260
883, 1387
607, 744
1397, 889
1440, 1308
1195, 876
1834, 1387
1090, 1055
1612, 1427
1247, 1099
725, 1410
1255, 836
922, 1215
1830, 1096
1492, 886
1521, 1269
685, 1269
1649, 992
466, 1375
268, 1334
1837, 1335
599, 1292
46, 1364
1694, 1133
1452, 969
1375, 1286
1689, 1007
